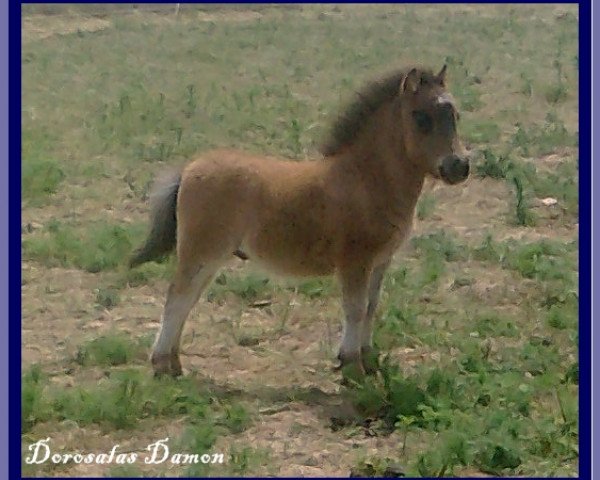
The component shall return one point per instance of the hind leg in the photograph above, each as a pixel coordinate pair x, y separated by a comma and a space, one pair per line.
188, 285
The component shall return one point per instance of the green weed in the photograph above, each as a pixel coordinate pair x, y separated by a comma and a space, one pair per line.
34, 408
249, 288
316, 288
107, 297
543, 260
242, 460
523, 215
235, 417
110, 350
440, 244
494, 166
40, 178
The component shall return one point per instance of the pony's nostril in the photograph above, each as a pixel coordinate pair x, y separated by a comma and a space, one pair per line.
460, 166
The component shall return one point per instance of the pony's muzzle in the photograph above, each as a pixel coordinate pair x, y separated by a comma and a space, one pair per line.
454, 169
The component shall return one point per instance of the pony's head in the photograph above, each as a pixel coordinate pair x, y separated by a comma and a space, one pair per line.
429, 117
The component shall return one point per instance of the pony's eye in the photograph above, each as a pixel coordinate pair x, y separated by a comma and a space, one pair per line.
424, 121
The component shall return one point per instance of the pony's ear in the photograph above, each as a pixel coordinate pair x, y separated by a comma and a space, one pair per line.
410, 83
441, 77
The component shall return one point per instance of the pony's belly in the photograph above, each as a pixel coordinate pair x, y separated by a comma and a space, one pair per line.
290, 261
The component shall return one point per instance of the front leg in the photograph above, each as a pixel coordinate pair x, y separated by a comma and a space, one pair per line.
355, 286
369, 355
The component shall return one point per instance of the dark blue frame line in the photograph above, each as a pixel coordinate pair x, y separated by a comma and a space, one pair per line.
14, 230
4, 270
13, 186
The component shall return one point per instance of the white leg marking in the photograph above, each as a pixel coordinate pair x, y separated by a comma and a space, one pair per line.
177, 309
351, 337
354, 293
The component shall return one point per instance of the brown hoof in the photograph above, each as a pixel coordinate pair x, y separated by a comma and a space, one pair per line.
176, 368
370, 360
166, 364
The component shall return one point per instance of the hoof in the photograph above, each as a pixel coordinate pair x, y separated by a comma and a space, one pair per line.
351, 368
370, 360
166, 364
176, 368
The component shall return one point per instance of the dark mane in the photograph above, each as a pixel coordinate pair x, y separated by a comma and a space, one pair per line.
352, 120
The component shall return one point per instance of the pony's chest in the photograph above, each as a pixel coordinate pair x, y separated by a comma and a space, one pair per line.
392, 240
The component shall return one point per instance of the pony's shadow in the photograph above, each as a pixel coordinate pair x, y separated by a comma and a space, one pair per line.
335, 408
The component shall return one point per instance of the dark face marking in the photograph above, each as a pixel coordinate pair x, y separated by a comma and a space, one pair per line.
447, 119
423, 121
442, 119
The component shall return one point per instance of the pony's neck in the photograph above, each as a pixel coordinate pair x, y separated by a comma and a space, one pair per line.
379, 154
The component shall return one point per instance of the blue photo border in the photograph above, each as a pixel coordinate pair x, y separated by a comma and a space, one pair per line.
4, 247
585, 241
10, 245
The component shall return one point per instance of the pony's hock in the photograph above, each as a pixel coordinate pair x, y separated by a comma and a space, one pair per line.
344, 214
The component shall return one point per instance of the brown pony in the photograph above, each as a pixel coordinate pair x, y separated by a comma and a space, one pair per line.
345, 214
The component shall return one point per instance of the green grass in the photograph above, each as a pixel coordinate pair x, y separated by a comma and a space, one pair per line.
493, 165
126, 398
480, 414
316, 288
528, 181
33, 406
99, 247
249, 288
108, 297
112, 349
441, 244
41, 174
476, 409
544, 138
40, 178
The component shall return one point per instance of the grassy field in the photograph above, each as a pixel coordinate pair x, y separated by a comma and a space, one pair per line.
478, 322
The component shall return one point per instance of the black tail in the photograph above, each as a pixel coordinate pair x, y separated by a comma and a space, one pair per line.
163, 221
